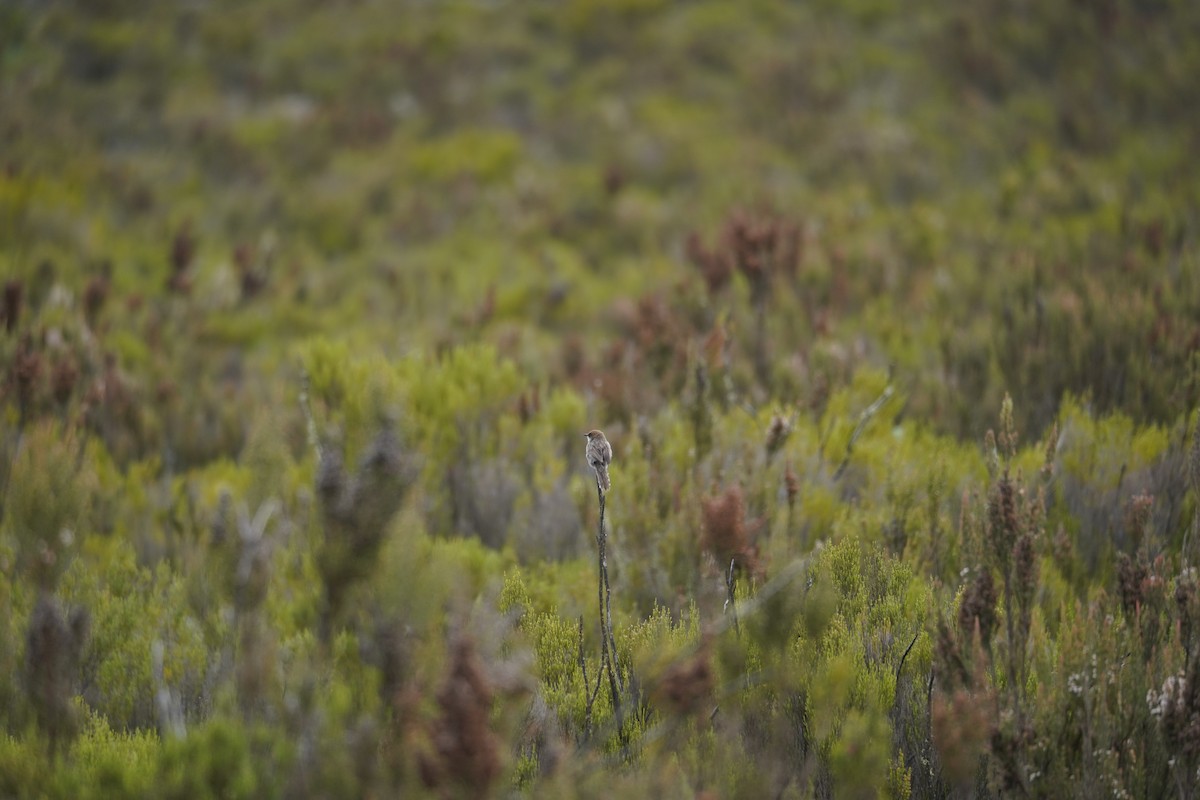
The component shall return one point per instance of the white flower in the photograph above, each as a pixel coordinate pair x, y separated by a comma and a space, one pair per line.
1171, 695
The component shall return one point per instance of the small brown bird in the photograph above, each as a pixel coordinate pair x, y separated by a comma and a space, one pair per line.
599, 456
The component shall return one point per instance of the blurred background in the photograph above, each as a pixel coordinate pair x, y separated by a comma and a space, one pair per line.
968, 188
890, 311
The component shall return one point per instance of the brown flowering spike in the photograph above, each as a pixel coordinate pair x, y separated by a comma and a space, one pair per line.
750, 243
793, 485
183, 248
961, 725
63, 379
714, 265
726, 535
763, 247
27, 368
1025, 568
183, 251
979, 607
655, 324
251, 270
1003, 525
94, 297
777, 433
1131, 578
12, 305
466, 748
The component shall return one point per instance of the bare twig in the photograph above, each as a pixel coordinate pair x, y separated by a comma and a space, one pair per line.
612, 642
863, 418
730, 603
608, 647
907, 650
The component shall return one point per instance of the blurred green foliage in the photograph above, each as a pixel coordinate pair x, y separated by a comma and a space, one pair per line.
890, 313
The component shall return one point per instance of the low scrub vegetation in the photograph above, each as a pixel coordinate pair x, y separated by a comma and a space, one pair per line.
892, 318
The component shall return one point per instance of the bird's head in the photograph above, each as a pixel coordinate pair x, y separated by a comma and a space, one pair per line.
592, 435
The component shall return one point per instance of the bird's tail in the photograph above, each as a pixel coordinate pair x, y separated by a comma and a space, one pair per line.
602, 477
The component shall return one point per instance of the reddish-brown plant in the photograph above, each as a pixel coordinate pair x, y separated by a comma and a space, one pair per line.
466, 750
714, 264
687, 686
726, 534
95, 294
1131, 579
63, 379
26, 369
792, 482
777, 433
183, 251
12, 304
961, 724
978, 608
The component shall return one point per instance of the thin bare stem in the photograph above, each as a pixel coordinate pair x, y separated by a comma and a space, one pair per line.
730, 603
869, 412
612, 642
608, 649
591, 697
907, 650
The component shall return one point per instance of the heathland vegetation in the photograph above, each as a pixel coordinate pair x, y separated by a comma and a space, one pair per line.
891, 313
